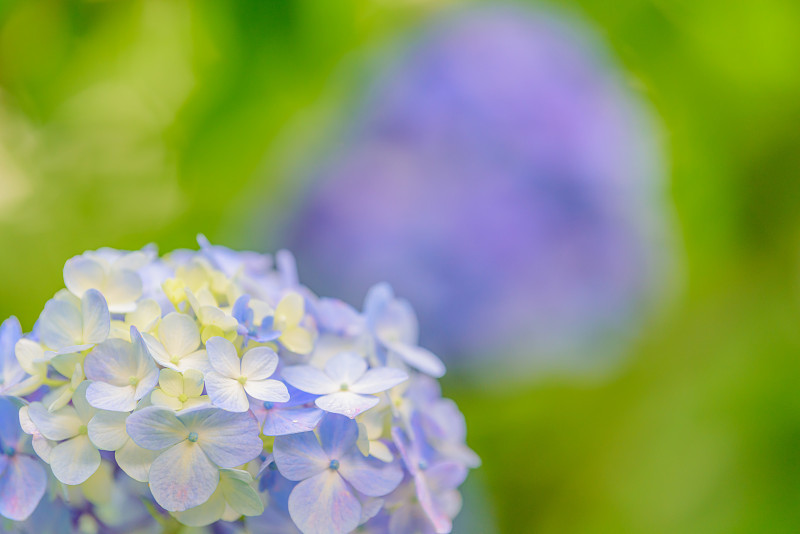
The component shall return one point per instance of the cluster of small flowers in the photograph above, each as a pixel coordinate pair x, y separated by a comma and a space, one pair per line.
231, 392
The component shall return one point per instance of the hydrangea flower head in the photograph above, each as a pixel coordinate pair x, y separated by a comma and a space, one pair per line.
207, 386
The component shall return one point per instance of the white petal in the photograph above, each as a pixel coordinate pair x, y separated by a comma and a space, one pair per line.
309, 379
58, 425
158, 352
146, 314
30, 356
82, 274
227, 393
95, 317
179, 334
346, 368
122, 289
267, 390
377, 380
108, 397
107, 430
75, 460
259, 363
223, 357
197, 360
60, 325
135, 460
183, 477
347, 403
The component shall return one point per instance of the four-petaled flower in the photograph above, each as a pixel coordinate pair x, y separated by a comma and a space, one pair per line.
179, 391
178, 345
122, 372
196, 443
346, 386
71, 325
231, 380
75, 458
329, 470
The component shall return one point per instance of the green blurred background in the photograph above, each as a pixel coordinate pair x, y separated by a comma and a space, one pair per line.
128, 122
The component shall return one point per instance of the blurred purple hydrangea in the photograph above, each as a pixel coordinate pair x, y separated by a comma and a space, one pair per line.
501, 176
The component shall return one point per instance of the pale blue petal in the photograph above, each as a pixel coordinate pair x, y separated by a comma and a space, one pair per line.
108, 397
21, 487
73, 461
183, 477
309, 379
370, 476
280, 422
227, 393
345, 368
10, 370
229, 439
419, 358
410, 518
9, 423
446, 475
377, 380
324, 505
112, 361
338, 435
347, 403
156, 428
96, 319
378, 297
442, 523
299, 456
